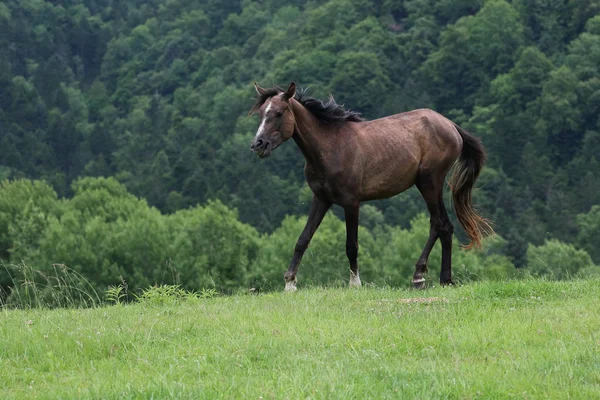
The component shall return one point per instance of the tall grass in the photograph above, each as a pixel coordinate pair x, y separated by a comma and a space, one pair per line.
61, 287
64, 287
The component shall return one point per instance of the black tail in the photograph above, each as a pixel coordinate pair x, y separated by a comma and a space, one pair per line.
466, 171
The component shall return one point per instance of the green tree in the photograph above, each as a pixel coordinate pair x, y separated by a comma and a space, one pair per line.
470, 52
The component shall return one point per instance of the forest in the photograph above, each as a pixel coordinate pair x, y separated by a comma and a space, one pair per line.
124, 135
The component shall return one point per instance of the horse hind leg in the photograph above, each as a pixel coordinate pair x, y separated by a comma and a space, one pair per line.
431, 188
445, 231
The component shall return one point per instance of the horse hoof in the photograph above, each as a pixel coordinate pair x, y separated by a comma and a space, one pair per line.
290, 286
419, 283
355, 280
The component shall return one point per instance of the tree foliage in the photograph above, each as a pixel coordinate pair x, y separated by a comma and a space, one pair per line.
155, 94
110, 237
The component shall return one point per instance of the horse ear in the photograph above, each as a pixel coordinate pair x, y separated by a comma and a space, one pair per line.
259, 90
290, 92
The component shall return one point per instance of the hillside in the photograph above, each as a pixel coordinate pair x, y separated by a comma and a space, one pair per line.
155, 95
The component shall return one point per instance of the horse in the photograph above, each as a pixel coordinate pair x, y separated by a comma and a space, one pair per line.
350, 160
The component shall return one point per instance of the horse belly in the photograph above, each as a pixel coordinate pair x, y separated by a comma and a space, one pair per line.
389, 182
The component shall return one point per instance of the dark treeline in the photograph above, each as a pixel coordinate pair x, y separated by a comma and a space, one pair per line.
156, 94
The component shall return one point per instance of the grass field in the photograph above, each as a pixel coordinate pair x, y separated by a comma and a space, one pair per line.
517, 339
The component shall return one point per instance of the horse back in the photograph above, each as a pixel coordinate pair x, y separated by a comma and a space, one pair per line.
394, 149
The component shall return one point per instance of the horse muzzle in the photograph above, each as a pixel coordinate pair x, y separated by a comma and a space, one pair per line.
261, 148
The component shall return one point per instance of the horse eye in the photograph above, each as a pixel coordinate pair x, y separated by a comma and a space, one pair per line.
279, 114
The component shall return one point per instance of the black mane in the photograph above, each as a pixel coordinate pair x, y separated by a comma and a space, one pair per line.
325, 111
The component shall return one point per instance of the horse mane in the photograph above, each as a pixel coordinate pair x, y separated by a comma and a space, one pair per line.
325, 111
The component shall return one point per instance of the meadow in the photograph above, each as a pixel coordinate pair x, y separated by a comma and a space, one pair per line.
525, 338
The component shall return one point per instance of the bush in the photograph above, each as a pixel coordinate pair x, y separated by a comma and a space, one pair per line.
210, 247
397, 250
109, 236
26, 208
558, 260
589, 231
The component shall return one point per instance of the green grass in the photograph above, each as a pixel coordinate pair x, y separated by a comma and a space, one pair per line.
502, 340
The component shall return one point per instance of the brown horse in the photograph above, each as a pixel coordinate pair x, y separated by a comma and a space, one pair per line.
350, 160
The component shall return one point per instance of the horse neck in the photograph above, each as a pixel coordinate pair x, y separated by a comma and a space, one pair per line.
309, 133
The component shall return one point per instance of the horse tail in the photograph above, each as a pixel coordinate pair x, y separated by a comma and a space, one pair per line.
466, 171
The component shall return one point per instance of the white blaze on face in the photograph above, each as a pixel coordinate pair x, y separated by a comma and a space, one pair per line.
262, 123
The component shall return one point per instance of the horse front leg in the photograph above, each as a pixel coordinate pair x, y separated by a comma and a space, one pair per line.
351, 214
318, 209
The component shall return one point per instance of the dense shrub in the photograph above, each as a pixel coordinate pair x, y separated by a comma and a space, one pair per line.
557, 260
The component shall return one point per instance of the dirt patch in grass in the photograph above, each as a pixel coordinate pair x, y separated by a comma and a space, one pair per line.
422, 300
